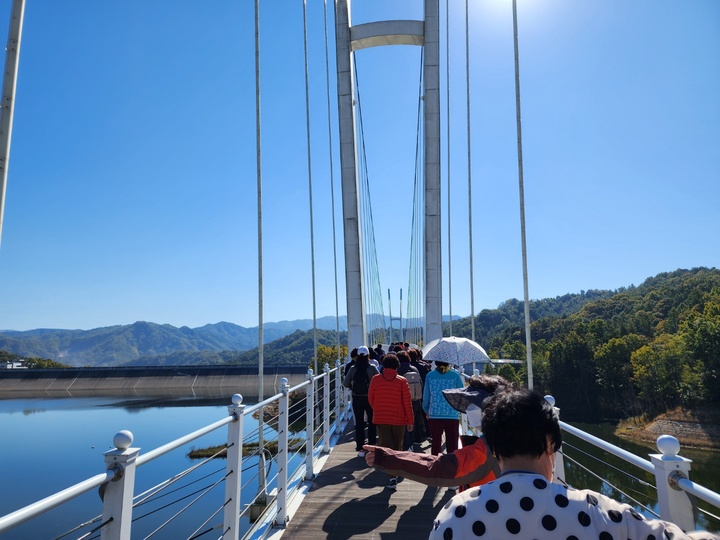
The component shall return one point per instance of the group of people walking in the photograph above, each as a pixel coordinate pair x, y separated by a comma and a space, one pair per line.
400, 401
513, 459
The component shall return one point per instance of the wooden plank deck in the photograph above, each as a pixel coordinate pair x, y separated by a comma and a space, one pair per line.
349, 500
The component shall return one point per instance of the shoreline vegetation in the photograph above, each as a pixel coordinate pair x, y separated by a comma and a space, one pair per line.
693, 428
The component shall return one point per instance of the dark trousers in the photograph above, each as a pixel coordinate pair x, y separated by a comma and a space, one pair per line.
361, 406
417, 435
451, 429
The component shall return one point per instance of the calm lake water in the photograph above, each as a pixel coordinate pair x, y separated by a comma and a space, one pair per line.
50, 444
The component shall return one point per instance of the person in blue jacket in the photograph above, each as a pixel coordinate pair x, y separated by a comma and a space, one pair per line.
443, 419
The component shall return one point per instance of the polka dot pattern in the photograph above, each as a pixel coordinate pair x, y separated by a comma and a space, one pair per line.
525, 506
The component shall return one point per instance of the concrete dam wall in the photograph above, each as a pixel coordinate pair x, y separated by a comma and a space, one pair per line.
210, 381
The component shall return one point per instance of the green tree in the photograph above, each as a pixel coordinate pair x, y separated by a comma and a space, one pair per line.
701, 332
43, 363
657, 373
614, 371
572, 376
329, 354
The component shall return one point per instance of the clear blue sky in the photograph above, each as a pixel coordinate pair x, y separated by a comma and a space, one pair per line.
132, 187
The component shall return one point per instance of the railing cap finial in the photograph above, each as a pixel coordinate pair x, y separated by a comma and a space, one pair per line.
668, 445
123, 439
550, 400
237, 399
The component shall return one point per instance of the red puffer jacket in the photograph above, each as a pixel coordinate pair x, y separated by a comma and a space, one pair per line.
389, 397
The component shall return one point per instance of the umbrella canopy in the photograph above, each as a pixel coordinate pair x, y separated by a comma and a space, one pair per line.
455, 350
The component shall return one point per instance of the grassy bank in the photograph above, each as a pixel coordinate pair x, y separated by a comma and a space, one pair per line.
697, 428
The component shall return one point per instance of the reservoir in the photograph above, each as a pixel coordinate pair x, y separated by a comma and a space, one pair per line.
49, 444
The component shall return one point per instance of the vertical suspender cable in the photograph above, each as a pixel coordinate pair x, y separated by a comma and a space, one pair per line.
258, 166
447, 115
12, 59
373, 293
332, 182
310, 190
528, 341
262, 480
469, 165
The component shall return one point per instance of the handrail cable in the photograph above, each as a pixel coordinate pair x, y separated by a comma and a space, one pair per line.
93, 530
168, 505
469, 166
141, 498
156, 496
332, 181
310, 185
150, 493
640, 480
191, 503
447, 122
611, 485
197, 534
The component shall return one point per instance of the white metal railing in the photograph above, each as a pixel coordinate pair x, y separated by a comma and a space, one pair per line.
671, 472
117, 483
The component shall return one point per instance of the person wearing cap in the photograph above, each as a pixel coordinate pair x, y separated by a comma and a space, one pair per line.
471, 465
443, 419
358, 380
523, 432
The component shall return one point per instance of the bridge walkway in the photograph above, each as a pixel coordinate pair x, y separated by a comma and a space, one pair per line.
349, 500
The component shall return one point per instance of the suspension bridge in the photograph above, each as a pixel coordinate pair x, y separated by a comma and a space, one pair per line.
317, 485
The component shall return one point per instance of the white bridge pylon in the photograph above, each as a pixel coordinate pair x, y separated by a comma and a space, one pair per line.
349, 39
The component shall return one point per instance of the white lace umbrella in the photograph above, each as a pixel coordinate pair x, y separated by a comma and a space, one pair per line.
455, 350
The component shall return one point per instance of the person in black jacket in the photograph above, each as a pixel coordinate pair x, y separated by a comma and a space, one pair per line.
358, 380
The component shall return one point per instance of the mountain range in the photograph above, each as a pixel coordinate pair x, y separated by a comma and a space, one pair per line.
122, 344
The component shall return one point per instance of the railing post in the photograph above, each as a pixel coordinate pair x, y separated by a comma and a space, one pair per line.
559, 471
338, 395
233, 479
310, 426
282, 457
326, 410
675, 504
117, 495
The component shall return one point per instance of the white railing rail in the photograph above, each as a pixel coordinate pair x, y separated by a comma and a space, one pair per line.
671, 471
117, 483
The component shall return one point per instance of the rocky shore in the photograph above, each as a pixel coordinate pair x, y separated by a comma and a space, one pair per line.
693, 428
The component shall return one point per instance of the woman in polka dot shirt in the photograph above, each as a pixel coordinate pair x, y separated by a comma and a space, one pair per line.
523, 432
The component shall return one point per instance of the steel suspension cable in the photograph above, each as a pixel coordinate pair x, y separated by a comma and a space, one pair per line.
447, 120
332, 180
310, 186
521, 187
416, 282
258, 166
469, 166
373, 293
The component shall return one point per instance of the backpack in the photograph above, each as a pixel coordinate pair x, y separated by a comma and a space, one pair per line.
415, 382
360, 381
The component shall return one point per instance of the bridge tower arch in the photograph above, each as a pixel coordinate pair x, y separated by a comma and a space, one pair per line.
425, 33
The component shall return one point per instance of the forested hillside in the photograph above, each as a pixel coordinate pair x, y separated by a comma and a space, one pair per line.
645, 349
295, 349
601, 354
118, 345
